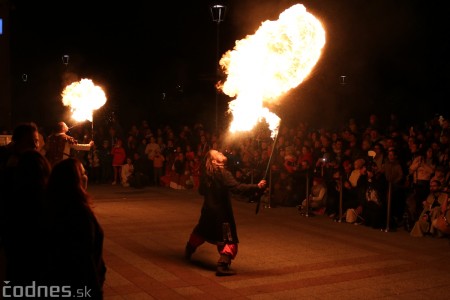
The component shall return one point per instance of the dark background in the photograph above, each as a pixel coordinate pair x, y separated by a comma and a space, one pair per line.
157, 61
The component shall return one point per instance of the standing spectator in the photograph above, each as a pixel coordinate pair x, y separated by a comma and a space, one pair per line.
189, 153
73, 238
140, 166
23, 209
423, 167
158, 167
373, 187
112, 135
393, 172
105, 160
141, 147
41, 147
194, 169
178, 179
25, 137
150, 151
334, 187
131, 145
170, 153
379, 157
421, 170
305, 155
94, 164
118, 159
203, 146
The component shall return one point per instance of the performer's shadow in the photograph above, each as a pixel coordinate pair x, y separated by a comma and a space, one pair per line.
203, 264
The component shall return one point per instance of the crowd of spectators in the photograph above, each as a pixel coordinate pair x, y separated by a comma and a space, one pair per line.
357, 172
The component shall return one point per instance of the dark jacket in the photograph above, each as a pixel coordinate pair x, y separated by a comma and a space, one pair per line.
74, 251
217, 224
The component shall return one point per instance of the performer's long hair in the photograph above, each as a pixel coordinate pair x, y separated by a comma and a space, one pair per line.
214, 160
213, 163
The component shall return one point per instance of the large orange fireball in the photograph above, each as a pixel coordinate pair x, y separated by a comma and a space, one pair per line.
264, 66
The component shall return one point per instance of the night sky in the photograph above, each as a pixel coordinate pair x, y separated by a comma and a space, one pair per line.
158, 61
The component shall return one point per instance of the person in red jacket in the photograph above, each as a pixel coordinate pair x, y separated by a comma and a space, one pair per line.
119, 156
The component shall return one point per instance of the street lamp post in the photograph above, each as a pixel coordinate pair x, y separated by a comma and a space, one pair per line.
218, 16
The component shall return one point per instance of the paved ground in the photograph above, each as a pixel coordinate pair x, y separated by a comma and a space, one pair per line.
282, 255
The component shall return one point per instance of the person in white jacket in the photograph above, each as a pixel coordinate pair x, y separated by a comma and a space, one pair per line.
127, 172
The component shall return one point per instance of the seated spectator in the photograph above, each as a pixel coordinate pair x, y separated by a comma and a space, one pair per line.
317, 198
433, 207
127, 172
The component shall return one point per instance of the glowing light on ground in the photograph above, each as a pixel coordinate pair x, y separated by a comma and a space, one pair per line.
264, 66
83, 97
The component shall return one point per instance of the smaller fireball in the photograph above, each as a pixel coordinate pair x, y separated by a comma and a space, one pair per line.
83, 97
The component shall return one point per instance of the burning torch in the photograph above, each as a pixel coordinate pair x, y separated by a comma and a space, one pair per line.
266, 65
83, 98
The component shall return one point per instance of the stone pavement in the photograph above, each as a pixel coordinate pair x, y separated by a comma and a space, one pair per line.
282, 255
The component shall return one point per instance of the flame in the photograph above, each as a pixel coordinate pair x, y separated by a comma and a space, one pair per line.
264, 66
83, 97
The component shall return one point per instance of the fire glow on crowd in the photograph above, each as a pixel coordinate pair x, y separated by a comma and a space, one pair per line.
83, 97
265, 65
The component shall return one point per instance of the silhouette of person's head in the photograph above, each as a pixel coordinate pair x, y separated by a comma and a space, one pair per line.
25, 137
68, 180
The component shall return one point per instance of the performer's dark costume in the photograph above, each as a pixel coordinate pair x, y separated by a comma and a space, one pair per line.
216, 224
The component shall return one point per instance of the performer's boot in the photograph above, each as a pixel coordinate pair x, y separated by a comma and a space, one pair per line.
188, 251
223, 266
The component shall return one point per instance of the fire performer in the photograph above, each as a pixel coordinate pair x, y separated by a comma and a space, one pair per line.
83, 98
216, 224
60, 144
